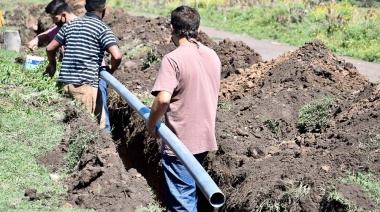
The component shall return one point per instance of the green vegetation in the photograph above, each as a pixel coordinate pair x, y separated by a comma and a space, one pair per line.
25, 133
151, 58
224, 106
346, 29
369, 184
268, 206
76, 148
148, 100
334, 196
156, 207
133, 49
314, 116
10, 4
273, 126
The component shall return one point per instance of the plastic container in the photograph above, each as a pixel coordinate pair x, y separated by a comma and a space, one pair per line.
12, 40
32, 62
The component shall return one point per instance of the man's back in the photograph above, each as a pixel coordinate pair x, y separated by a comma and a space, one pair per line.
85, 40
195, 86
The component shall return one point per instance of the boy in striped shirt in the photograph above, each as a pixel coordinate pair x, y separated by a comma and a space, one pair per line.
85, 40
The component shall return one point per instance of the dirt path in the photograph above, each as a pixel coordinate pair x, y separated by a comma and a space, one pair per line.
271, 49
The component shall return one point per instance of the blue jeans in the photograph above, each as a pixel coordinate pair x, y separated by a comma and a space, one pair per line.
180, 187
103, 90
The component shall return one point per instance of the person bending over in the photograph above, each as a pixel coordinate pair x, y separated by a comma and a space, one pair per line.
85, 40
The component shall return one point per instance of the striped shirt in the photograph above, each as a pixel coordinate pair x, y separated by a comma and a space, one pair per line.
85, 40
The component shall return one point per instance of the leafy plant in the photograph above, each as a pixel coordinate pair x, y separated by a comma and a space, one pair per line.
147, 100
334, 196
151, 58
77, 145
314, 116
273, 126
156, 207
224, 106
133, 49
369, 184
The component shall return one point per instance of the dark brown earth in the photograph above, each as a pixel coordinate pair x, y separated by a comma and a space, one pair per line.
257, 169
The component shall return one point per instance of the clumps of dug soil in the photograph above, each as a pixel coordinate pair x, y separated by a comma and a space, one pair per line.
99, 180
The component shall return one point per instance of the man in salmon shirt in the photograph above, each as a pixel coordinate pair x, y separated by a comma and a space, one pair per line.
186, 90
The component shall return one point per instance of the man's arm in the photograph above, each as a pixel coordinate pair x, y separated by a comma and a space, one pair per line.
50, 51
159, 107
46, 36
115, 57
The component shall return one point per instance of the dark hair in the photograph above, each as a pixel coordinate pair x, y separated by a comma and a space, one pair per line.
185, 21
95, 5
57, 7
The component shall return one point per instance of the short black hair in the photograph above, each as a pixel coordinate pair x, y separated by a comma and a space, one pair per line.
57, 7
185, 21
95, 5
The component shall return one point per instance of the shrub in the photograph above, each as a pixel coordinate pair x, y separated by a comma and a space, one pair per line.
314, 116
152, 57
273, 126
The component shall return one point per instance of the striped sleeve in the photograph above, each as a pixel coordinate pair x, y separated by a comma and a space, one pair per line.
107, 38
60, 37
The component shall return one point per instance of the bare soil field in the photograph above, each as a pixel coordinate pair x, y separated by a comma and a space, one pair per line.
264, 159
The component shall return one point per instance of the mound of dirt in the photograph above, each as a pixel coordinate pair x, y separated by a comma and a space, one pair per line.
264, 166
100, 181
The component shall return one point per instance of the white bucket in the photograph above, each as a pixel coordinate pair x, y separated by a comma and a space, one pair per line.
12, 40
33, 61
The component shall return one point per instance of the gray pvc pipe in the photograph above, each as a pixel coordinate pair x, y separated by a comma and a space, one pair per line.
199, 174
12, 40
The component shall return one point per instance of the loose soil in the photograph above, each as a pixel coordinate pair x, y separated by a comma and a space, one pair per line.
256, 167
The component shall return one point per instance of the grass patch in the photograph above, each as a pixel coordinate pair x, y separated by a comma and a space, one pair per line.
151, 58
273, 126
345, 28
133, 49
336, 198
224, 106
7, 5
77, 145
369, 184
148, 101
156, 207
26, 132
269, 206
313, 116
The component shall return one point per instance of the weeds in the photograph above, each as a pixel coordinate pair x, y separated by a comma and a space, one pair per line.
273, 126
147, 100
151, 58
334, 196
76, 147
369, 184
267, 205
343, 27
156, 207
133, 49
296, 194
224, 106
314, 116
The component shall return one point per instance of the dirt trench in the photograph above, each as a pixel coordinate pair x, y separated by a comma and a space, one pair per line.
265, 160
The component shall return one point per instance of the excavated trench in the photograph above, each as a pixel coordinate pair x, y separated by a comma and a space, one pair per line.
139, 151
135, 150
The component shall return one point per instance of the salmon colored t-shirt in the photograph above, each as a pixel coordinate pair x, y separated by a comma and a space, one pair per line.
192, 76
